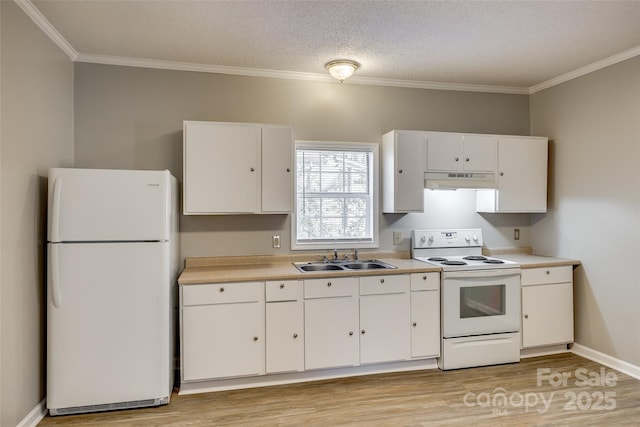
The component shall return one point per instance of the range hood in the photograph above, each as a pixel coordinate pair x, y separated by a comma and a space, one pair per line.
462, 180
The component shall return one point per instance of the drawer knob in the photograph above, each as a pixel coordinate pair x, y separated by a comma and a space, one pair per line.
415, 324
424, 277
255, 339
295, 335
548, 272
329, 284
281, 285
457, 159
400, 171
221, 289
381, 280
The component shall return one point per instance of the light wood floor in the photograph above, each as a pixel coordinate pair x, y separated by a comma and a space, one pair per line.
421, 398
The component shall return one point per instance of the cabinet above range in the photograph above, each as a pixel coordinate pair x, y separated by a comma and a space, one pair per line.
237, 168
510, 172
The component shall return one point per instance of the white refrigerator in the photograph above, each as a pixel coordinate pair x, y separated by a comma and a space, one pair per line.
111, 275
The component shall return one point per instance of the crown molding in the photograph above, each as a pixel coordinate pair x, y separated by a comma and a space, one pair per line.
47, 28
614, 59
256, 72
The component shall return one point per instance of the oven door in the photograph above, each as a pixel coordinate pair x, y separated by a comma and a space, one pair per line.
480, 302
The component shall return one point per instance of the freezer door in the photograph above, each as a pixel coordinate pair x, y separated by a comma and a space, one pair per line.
109, 205
109, 327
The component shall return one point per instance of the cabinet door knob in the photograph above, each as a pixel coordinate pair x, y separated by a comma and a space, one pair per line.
501, 173
295, 335
288, 169
252, 169
363, 332
400, 171
547, 272
281, 285
424, 277
255, 339
466, 160
329, 284
381, 280
415, 324
350, 333
526, 316
221, 289
457, 159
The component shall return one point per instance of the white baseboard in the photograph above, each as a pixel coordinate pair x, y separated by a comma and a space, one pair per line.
35, 416
606, 360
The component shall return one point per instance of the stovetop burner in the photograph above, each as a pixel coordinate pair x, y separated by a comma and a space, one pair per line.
436, 259
475, 258
493, 261
454, 263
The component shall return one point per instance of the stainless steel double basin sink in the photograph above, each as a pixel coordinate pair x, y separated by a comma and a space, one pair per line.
371, 264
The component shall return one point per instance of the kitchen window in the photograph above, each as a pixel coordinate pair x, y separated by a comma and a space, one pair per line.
336, 197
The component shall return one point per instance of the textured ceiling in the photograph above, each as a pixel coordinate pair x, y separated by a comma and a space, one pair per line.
496, 43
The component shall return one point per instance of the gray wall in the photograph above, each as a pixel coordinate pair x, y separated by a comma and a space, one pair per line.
132, 118
36, 133
594, 216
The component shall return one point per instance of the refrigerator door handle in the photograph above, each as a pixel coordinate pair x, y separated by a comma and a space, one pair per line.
56, 294
55, 210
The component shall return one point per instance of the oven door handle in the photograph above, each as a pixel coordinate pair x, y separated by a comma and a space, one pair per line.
481, 273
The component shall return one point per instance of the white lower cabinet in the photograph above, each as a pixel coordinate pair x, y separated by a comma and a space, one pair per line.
224, 335
331, 323
284, 327
425, 315
547, 306
384, 319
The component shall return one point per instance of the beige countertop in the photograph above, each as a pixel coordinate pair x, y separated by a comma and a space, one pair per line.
265, 268
284, 270
536, 261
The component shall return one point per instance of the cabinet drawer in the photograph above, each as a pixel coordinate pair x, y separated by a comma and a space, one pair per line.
334, 287
222, 293
545, 275
283, 290
425, 281
377, 285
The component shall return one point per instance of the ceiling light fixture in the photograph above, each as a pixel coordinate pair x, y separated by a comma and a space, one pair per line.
342, 69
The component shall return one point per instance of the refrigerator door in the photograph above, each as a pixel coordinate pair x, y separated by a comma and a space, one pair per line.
108, 205
109, 328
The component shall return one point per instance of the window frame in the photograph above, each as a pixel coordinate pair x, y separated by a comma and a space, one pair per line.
375, 202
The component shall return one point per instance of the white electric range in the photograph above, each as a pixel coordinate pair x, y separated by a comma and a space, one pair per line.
480, 298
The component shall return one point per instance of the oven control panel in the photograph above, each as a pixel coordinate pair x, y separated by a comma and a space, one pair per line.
447, 238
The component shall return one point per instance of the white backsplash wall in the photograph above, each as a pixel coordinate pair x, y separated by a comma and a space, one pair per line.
455, 209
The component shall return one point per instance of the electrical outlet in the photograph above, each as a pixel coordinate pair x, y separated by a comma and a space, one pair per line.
516, 234
397, 237
275, 241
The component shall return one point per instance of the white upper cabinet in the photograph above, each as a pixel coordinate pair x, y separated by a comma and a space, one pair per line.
237, 168
403, 154
522, 177
451, 152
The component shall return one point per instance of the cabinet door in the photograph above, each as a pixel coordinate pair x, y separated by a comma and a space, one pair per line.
384, 328
223, 340
425, 324
277, 169
444, 151
480, 153
331, 332
221, 168
403, 164
547, 314
522, 177
284, 336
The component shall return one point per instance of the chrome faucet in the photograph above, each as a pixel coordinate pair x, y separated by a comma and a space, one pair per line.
355, 254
